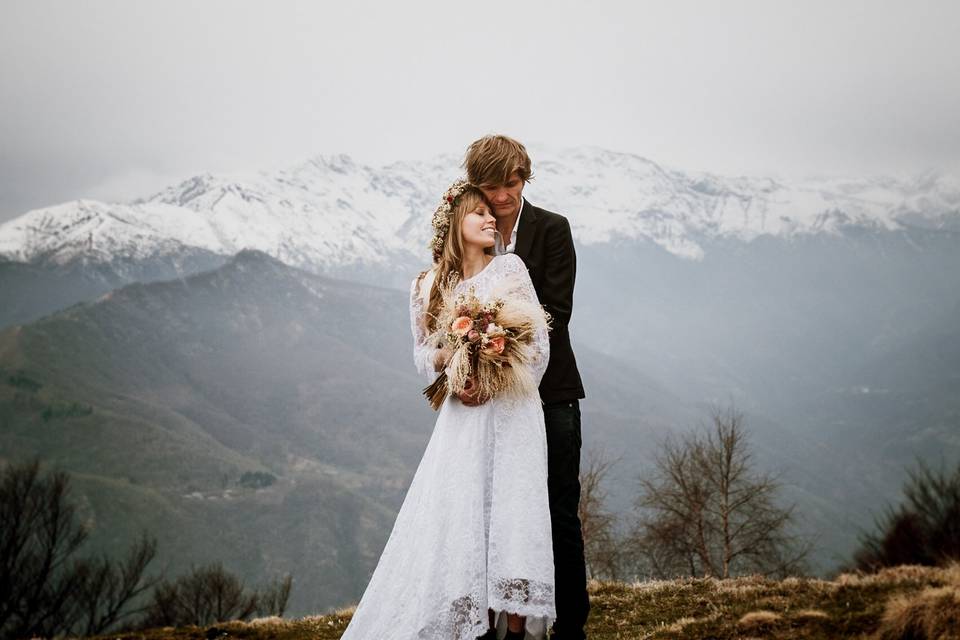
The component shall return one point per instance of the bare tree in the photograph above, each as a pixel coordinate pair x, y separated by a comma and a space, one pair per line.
707, 511
672, 535
44, 589
106, 588
205, 595
273, 598
39, 534
601, 547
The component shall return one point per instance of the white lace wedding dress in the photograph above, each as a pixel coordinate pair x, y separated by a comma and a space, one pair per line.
474, 529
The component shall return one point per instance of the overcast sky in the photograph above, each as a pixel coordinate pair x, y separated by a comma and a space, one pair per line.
116, 99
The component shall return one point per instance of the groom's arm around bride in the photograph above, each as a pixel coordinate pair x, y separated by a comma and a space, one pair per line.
501, 167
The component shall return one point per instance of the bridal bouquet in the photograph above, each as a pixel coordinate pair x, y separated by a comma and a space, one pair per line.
491, 343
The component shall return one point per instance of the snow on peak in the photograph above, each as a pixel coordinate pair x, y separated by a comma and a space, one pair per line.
333, 211
98, 232
611, 195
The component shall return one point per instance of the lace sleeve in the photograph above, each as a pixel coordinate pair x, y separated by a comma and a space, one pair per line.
515, 272
423, 352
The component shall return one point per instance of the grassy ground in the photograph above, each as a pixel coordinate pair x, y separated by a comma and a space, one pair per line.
902, 602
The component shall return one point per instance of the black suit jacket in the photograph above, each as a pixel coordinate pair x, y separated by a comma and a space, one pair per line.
545, 245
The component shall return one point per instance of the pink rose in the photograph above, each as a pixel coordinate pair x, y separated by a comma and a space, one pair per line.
461, 325
496, 345
473, 335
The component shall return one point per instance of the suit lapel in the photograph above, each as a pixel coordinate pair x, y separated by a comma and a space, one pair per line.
526, 230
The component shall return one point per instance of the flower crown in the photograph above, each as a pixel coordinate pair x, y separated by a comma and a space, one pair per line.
441, 217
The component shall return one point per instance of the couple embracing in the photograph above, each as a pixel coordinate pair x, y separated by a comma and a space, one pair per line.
487, 543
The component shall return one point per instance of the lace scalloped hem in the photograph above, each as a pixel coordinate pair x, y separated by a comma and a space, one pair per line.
527, 610
523, 597
465, 619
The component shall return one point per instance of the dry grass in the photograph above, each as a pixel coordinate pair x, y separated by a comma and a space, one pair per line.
932, 614
908, 573
271, 621
758, 621
678, 625
951, 574
811, 614
902, 602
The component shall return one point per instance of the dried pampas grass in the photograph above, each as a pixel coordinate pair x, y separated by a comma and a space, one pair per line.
488, 364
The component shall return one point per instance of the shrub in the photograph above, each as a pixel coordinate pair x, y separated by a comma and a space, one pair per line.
45, 589
210, 594
257, 479
21, 381
65, 410
924, 530
205, 595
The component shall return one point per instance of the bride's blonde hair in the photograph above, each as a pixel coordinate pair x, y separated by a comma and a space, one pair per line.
449, 267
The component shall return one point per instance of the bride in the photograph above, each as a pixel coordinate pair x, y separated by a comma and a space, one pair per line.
470, 553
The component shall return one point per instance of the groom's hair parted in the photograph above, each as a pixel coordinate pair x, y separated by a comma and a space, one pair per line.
492, 159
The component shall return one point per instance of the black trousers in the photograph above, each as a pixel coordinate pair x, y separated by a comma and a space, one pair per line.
562, 421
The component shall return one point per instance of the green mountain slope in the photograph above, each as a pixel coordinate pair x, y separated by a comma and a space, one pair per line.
159, 397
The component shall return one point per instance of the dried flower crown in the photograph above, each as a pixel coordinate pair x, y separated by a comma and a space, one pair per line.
441, 217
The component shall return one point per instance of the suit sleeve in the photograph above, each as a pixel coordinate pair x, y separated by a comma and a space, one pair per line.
559, 273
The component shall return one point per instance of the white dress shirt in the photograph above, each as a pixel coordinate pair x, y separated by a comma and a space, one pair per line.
513, 235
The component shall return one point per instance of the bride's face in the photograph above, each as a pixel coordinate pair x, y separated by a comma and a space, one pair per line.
479, 227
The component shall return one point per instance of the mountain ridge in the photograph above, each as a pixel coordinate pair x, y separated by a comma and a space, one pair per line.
333, 212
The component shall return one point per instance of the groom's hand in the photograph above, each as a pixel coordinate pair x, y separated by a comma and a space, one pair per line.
470, 396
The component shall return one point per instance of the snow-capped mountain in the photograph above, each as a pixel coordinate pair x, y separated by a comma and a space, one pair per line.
333, 212
324, 212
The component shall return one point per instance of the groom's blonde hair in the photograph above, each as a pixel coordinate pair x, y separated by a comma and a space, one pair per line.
491, 160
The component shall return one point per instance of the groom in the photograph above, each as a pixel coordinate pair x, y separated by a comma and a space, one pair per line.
500, 166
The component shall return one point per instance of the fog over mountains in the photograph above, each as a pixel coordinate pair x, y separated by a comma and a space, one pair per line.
826, 310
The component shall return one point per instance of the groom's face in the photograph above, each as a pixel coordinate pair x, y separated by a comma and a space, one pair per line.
505, 197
